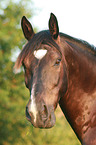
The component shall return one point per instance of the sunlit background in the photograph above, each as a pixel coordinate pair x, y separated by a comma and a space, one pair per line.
76, 18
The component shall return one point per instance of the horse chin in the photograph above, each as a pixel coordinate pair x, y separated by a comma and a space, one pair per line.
41, 126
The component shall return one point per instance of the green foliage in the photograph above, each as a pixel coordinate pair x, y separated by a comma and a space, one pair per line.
14, 128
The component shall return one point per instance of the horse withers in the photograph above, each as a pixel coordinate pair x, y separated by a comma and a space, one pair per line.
60, 69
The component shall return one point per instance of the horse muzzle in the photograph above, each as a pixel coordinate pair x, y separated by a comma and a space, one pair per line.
40, 115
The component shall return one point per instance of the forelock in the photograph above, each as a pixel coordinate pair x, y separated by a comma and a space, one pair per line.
42, 37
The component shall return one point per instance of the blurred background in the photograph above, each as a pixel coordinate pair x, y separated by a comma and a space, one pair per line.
76, 19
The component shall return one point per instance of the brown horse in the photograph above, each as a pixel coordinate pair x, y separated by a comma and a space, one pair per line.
60, 69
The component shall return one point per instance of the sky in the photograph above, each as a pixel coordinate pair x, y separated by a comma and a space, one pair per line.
76, 18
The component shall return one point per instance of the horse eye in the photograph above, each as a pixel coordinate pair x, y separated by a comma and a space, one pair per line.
57, 61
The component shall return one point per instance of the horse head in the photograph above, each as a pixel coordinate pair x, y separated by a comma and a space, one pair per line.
45, 72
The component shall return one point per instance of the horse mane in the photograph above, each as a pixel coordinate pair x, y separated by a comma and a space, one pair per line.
80, 43
44, 37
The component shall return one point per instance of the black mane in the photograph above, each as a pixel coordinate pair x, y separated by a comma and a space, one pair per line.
44, 37
79, 42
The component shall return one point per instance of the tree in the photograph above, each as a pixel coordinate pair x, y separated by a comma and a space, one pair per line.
11, 85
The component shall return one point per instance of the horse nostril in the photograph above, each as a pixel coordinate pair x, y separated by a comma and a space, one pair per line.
44, 113
27, 114
44, 110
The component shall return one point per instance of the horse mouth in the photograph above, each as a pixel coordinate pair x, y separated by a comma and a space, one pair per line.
47, 124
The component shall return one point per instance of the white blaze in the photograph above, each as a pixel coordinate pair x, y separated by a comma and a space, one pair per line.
39, 54
32, 107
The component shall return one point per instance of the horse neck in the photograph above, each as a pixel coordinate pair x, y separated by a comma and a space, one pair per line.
81, 68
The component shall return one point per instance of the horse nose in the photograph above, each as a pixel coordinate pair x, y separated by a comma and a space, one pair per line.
40, 111
40, 115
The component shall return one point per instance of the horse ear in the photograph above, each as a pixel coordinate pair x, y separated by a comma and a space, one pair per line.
53, 26
27, 28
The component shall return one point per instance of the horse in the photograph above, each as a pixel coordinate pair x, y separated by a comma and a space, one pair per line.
59, 69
